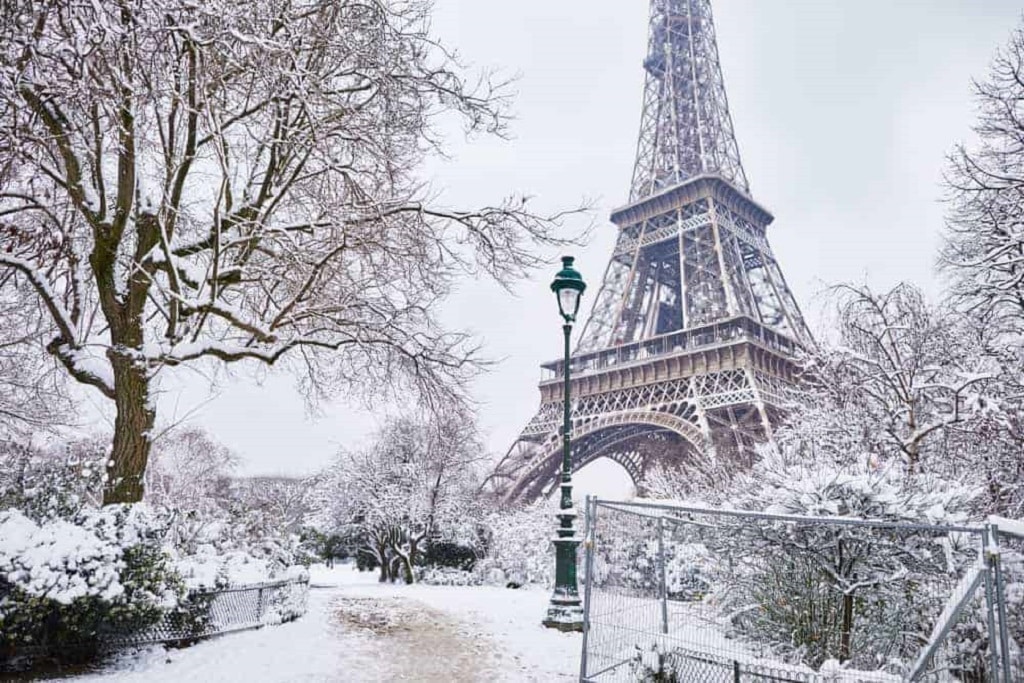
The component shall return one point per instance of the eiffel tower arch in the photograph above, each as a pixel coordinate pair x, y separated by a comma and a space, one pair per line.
688, 355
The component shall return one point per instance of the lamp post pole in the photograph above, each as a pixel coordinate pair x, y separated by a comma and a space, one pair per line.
565, 611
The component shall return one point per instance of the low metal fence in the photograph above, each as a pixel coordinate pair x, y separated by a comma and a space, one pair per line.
701, 595
212, 612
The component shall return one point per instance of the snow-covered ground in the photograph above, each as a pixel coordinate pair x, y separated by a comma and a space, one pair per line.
359, 630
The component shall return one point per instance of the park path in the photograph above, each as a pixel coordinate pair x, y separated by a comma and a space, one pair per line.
359, 631
405, 640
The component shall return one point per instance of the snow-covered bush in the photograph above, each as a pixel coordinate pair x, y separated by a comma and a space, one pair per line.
449, 576
818, 591
687, 568
65, 584
450, 555
54, 484
1013, 593
519, 548
222, 530
288, 602
210, 568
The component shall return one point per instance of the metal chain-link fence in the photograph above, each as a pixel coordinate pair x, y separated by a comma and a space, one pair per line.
704, 595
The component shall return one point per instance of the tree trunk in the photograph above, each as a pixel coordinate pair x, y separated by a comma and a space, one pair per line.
382, 556
847, 628
410, 561
132, 431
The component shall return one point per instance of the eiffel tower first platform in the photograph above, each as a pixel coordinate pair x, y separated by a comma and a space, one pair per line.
689, 351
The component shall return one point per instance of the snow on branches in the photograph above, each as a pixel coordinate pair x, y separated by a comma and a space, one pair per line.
984, 242
412, 485
231, 181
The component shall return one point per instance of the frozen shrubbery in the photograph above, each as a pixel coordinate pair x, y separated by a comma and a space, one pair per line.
817, 592
447, 563
447, 576
221, 552
73, 574
288, 602
65, 584
48, 485
518, 546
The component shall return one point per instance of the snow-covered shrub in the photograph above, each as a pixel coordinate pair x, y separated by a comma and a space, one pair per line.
66, 584
448, 576
687, 567
818, 591
288, 602
448, 554
222, 530
967, 646
518, 546
54, 484
1013, 593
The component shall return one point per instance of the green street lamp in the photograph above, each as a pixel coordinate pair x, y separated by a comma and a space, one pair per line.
565, 611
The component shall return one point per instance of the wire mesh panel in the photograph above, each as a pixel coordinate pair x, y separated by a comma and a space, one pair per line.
1010, 598
692, 594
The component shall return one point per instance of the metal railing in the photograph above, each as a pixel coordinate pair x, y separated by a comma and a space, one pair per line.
692, 594
212, 612
204, 613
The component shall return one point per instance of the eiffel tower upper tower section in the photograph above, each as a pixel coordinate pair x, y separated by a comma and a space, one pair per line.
692, 248
687, 358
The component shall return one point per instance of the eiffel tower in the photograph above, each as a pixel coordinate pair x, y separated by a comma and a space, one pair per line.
689, 351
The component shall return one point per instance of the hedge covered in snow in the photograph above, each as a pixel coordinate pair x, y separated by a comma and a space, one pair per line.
66, 584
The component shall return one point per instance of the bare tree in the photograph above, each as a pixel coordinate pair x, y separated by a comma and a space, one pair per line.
227, 181
983, 251
903, 365
983, 255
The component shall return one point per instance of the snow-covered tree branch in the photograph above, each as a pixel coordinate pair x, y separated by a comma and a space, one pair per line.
412, 484
228, 181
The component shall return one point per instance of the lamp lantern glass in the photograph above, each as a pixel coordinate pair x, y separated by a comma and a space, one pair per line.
568, 286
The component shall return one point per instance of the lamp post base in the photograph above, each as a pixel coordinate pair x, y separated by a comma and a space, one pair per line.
565, 612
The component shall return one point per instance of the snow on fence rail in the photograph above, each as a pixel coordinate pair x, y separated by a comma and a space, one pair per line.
715, 596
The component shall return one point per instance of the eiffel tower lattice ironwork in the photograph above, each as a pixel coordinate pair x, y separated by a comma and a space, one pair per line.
688, 352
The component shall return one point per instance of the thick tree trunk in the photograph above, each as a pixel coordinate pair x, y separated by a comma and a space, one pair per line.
132, 432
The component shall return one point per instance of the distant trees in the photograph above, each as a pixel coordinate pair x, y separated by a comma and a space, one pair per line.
184, 182
189, 471
33, 393
411, 486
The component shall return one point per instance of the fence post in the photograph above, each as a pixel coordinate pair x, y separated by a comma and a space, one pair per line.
997, 570
990, 606
589, 542
661, 573
259, 606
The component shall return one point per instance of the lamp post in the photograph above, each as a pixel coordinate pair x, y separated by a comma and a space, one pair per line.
565, 611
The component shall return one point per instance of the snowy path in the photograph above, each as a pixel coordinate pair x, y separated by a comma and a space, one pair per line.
359, 631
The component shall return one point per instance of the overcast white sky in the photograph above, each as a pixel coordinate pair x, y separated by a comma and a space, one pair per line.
843, 112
